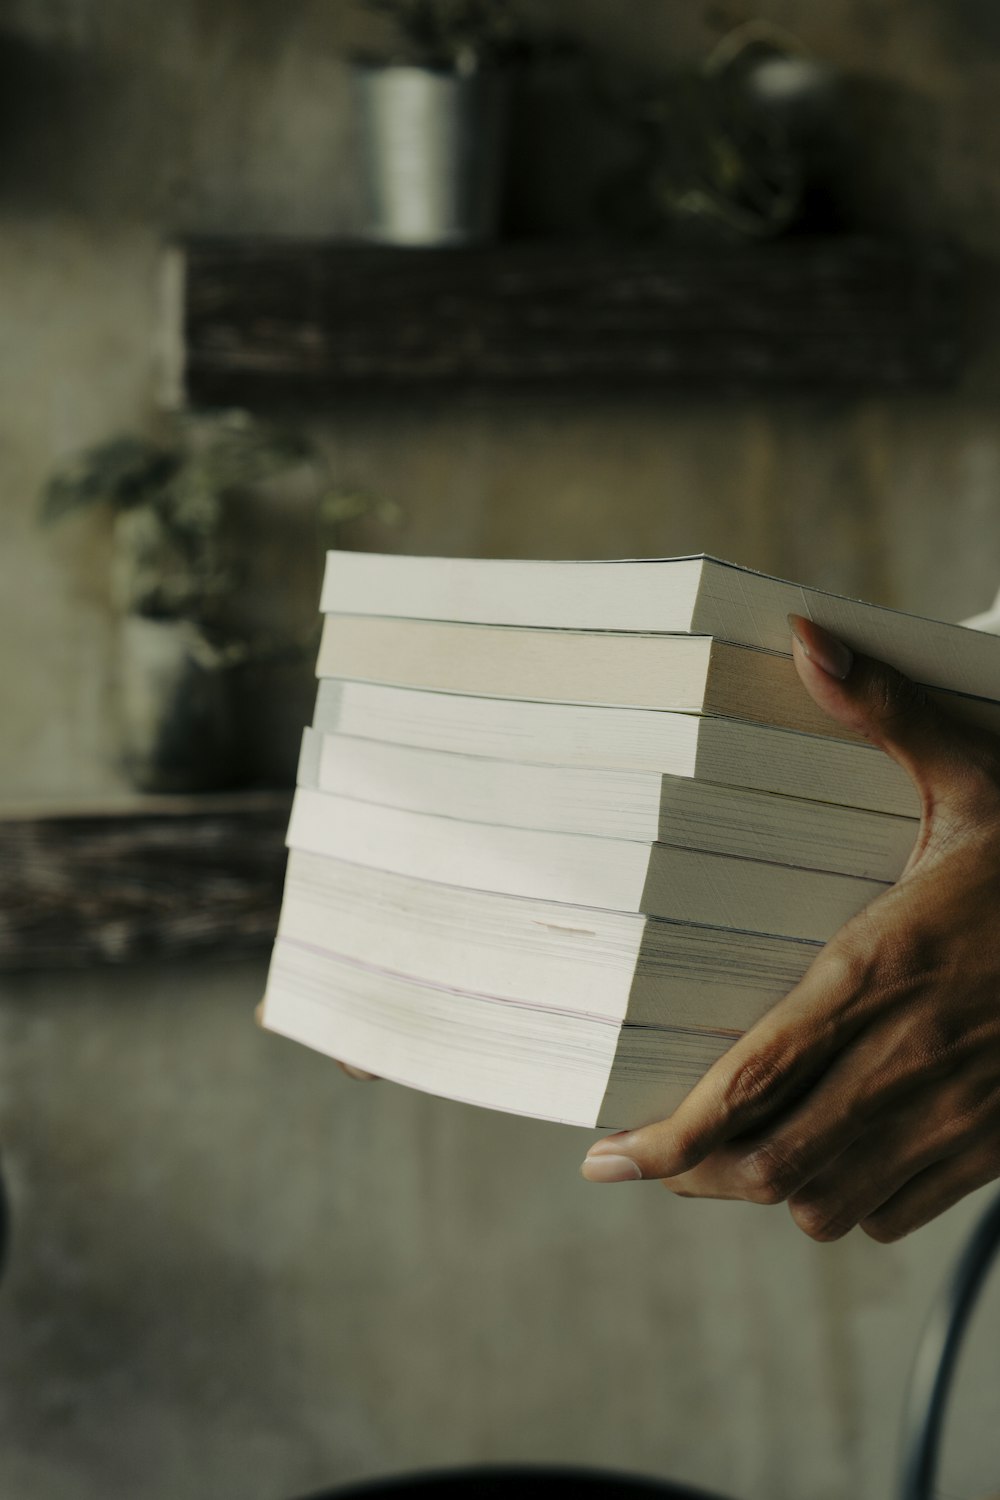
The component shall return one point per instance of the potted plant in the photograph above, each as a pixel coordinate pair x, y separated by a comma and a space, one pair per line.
175, 576
744, 145
432, 117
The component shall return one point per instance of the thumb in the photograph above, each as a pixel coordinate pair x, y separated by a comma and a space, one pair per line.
875, 700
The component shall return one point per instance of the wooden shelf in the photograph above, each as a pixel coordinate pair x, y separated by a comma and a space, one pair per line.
271, 321
150, 879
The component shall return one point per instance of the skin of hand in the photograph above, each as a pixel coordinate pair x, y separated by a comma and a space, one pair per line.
358, 1073
870, 1095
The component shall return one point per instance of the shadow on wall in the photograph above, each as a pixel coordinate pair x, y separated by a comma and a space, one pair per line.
195, 123
68, 123
968, 23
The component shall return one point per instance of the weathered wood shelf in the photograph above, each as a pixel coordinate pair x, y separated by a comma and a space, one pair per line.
266, 321
152, 879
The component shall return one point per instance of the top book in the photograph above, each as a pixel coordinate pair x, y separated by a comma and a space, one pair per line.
681, 595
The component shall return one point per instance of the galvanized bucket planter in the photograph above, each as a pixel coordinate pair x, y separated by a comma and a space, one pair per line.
432, 150
174, 707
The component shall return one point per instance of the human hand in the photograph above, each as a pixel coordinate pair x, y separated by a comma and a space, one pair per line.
871, 1094
358, 1073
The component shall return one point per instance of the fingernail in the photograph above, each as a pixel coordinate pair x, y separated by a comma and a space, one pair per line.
611, 1169
823, 649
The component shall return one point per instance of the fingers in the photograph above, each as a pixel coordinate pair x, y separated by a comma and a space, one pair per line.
358, 1073
851, 1038
761, 1076
890, 1183
885, 1141
785, 1157
877, 701
932, 1192
868, 1175
829, 1201
900, 1169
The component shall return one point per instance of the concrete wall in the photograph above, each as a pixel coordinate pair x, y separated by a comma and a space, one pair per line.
234, 1273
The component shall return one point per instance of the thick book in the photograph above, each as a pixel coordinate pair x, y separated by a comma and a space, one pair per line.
578, 1069
619, 966
689, 674
729, 752
659, 880
564, 831
698, 595
610, 804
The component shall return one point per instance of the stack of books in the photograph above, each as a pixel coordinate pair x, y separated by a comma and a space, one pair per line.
563, 831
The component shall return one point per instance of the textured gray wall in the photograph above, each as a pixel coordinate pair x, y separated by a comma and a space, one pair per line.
234, 1273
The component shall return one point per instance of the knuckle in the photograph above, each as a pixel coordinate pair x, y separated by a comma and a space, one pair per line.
820, 1221
770, 1172
753, 1084
848, 959
930, 1047
874, 960
938, 1042
883, 1230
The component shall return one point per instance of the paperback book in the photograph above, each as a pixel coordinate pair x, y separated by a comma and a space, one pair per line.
564, 831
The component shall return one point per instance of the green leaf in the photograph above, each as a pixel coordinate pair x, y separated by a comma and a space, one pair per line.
120, 473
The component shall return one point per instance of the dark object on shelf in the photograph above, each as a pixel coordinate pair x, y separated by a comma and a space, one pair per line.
156, 880
515, 1481
432, 150
278, 321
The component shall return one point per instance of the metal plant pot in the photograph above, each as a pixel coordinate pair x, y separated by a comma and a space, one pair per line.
432, 147
175, 709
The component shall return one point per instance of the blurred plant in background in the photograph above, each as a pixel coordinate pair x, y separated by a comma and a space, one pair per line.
175, 553
746, 144
178, 585
338, 506
433, 114
453, 35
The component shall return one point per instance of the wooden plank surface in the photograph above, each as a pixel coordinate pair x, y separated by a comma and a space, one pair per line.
150, 881
270, 321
